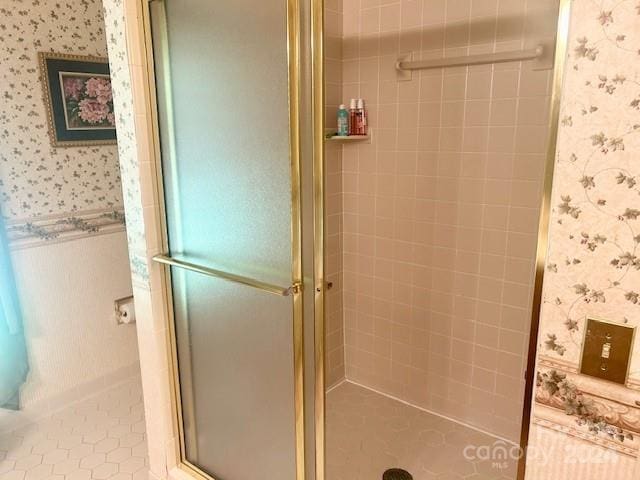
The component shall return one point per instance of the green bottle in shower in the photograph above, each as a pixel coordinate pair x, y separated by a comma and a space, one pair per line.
343, 121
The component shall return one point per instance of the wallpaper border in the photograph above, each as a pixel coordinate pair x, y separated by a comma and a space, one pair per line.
35, 232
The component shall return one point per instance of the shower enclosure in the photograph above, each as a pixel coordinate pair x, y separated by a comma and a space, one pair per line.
341, 308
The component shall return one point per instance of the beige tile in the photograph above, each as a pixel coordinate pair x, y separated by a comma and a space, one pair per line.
479, 85
456, 36
390, 17
501, 139
500, 166
484, 8
492, 266
534, 83
469, 239
452, 114
477, 113
519, 270
432, 40
434, 12
486, 335
515, 318
511, 342
432, 225
431, 87
496, 217
475, 139
370, 21
505, 84
509, 28
454, 88
483, 379
503, 112
490, 289
486, 358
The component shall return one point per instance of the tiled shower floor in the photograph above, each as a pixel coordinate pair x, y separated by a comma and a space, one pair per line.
102, 437
367, 433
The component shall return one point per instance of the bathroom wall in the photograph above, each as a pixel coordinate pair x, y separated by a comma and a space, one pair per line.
333, 183
64, 216
592, 266
441, 209
75, 346
128, 68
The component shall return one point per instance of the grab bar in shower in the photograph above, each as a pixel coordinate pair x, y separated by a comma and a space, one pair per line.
231, 277
404, 64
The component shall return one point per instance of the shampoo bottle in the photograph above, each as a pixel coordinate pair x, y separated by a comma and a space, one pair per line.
352, 117
361, 118
343, 121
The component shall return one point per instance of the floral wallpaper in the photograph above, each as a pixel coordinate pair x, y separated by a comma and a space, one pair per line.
41, 186
593, 264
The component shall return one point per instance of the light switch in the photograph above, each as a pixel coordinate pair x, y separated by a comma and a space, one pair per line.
606, 351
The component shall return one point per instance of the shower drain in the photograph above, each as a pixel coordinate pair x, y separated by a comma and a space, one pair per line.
396, 474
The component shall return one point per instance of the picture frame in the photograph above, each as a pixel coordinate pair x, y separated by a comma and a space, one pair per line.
78, 99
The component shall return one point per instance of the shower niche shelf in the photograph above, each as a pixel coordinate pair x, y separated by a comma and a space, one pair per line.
350, 138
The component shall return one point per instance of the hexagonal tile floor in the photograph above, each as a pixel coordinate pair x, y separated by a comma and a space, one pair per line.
368, 433
102, 437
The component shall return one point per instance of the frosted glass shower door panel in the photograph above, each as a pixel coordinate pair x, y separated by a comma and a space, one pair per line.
223, 76
223, 108
241, 357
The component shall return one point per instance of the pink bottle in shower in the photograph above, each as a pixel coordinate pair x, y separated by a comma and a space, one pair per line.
353, 114
361, 118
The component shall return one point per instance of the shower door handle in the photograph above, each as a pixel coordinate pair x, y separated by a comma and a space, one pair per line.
230, 277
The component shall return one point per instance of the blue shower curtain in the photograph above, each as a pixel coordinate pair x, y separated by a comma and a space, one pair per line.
13, 353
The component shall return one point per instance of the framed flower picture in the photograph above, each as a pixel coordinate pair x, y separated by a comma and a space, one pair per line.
78, 99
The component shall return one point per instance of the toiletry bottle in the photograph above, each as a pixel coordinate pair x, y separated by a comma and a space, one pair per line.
352, 116
361, 118
343, 121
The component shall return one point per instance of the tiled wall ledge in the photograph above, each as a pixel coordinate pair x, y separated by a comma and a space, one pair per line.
34, 232
600, 412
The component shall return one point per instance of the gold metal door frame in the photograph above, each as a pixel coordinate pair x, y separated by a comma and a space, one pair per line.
294, 76
317, 83
562, 40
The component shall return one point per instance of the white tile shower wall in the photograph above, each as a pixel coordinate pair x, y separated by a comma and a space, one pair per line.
333, 184
66, 292
440, 212
123, 20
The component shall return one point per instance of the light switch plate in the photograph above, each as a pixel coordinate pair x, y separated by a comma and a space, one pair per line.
606, 350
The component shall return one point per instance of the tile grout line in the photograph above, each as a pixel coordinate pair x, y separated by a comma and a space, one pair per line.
426, 410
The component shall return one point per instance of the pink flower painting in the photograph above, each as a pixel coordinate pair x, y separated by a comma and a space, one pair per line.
78, 99
88, 101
